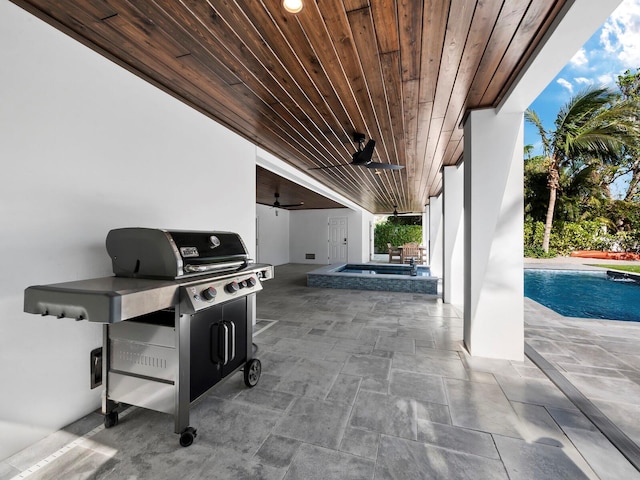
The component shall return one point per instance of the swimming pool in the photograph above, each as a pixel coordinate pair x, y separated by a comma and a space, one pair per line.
584, 294
381, 277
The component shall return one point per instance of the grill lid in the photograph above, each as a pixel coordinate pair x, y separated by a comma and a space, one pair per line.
171, 254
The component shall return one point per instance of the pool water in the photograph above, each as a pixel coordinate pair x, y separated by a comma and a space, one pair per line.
584, 294
385, 270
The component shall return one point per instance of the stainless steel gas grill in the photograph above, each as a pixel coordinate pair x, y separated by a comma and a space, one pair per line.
178, 317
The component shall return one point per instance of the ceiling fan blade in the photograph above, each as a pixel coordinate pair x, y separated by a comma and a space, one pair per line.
384, 166
292, 205
330, 166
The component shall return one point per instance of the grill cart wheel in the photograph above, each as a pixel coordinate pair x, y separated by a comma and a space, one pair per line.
186, 437
252, 371
110, 419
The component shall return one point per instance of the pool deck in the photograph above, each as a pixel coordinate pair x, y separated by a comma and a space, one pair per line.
600, 358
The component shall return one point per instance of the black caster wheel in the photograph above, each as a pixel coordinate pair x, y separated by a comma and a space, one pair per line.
186, 437
110, 419
252, 371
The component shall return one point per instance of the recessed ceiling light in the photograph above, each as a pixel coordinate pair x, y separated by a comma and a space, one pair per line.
292, 6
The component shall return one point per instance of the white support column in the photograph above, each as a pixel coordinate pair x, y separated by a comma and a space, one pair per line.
493, 211
435, 236
453, 219
426, 231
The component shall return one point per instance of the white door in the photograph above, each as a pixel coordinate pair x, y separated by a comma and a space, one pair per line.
338, 240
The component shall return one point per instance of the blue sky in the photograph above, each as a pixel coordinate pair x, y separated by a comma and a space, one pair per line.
614, 48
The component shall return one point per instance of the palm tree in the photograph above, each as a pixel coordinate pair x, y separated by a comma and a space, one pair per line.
528, 150
593, 124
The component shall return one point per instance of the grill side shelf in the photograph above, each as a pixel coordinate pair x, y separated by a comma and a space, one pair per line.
101, 300
102, 307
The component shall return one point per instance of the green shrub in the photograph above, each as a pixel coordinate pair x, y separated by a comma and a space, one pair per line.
390, 232
567, 237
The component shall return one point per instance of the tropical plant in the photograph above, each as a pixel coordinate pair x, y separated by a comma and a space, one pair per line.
592, 126
629, 84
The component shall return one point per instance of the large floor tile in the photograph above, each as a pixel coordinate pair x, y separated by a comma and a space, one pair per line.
458, 439
426, 388
481, 406
526, 461
419, 363
385, 414
624, 415
538, 425
536, 391
620, 390
361, 443
277, 451
367, 366
316, 463
310, 421
607, 462
396, 344
310, 377
402, 459
232, 424
344, 389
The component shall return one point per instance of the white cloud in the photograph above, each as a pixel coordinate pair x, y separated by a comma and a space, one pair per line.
566, 84
607, 79
583, 80
579, 59
620, 34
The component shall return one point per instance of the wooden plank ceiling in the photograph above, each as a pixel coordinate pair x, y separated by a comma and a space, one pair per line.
403, 72
291, 195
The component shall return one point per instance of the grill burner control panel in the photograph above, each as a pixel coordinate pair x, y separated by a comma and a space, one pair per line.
201, 295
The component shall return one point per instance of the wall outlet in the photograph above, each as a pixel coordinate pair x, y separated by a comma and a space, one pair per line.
96, 367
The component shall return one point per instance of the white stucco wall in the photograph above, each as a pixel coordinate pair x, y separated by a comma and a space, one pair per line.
85, 147
309, 234
273, 235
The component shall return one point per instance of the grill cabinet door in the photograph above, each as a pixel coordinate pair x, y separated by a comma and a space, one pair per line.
218, 344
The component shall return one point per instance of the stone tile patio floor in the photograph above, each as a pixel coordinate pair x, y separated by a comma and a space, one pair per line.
375, 385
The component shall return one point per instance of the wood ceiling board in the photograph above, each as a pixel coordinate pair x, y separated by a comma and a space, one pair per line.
532, 28
506, 25
363, 32
434, 27
385, 18
404, 72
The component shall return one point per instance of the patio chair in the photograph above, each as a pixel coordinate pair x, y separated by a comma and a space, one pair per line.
409, 251
394, 252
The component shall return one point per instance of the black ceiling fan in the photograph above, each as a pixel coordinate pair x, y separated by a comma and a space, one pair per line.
362, 156
277, 203
396, 213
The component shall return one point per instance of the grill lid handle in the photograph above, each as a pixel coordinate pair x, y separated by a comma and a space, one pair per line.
212, 267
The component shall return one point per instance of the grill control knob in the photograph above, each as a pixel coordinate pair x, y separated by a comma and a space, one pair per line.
209, 293
232, 287
243, 284
251, 282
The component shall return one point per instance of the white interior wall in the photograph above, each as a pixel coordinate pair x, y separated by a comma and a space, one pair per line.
309, 234
85, 147
273, 235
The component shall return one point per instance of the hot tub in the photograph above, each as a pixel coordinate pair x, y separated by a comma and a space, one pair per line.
373, 276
